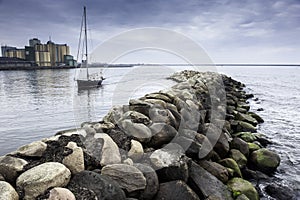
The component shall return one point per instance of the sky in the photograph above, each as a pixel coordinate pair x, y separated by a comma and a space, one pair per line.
230, 31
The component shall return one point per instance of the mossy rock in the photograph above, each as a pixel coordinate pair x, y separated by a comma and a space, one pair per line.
242, 197
246, 118
256, 116
253, 147
245, 127
240, 186
240, 159
265, 160
230, 163
246, 136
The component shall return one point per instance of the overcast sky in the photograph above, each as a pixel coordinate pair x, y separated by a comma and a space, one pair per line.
231, 31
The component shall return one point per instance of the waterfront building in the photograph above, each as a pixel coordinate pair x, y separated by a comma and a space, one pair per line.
15, 53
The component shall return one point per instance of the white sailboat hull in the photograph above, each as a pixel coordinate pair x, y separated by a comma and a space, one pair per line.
81, 84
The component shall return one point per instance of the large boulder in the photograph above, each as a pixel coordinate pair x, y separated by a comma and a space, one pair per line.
239, 158
10, 167
161, 134
241, 145
175, 190
128, 177
34, 149
139, 131
37, 180
246, 118
215, 169
75, 160
206, 185
136, 151
170, 163
152, 183
246, 136
103, 148
230, 163
240, 186
280, 191
7, 192
94, 186
265, 160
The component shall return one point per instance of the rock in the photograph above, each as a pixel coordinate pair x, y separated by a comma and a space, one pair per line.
128, 161
34, 149
243, 127
175, 190
136, 151
215, 169
139, 131
103, 127
253, 147
230, 163
128, 177
136, 117
159, 95
222, 146
256, 116
241, 145
170, 163
2, 177
246, 118
240, 186
140, 106
152, 183
161, 134
280, 192
242, 197
91, 185
246, 136
103, 148
240, 159
265, 160
37, 180
7, 192
10, 167
74, 161
59, 193
254, 175
190, 146
206, 185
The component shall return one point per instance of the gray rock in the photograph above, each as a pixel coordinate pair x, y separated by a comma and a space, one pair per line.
240, 159
10, 167
140, 106
247, 118
37, 180
128, 177
103, 127
91, 185
136, 151
34, 149
161, 134
59, 193
139, 131
2, 177
175, 190
215, 169
170, 163
110, 151
74, 161
7, 192
136, 117
206, 185
152, 183
242, 197
280, 191
103, 148
241, 145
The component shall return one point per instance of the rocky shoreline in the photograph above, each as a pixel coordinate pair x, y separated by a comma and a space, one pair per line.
196, 140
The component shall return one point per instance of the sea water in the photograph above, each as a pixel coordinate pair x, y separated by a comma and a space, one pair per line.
38, 103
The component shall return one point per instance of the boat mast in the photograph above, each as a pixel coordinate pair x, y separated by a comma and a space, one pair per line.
86, 48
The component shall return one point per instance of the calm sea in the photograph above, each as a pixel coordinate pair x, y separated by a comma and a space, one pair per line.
37, 104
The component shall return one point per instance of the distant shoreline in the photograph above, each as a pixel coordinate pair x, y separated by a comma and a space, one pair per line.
5, 68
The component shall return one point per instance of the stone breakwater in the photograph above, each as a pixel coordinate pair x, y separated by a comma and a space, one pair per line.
195, 140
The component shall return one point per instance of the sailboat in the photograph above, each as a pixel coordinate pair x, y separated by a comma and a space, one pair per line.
87, 80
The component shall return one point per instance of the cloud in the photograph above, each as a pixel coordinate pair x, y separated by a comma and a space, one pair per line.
218, 25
